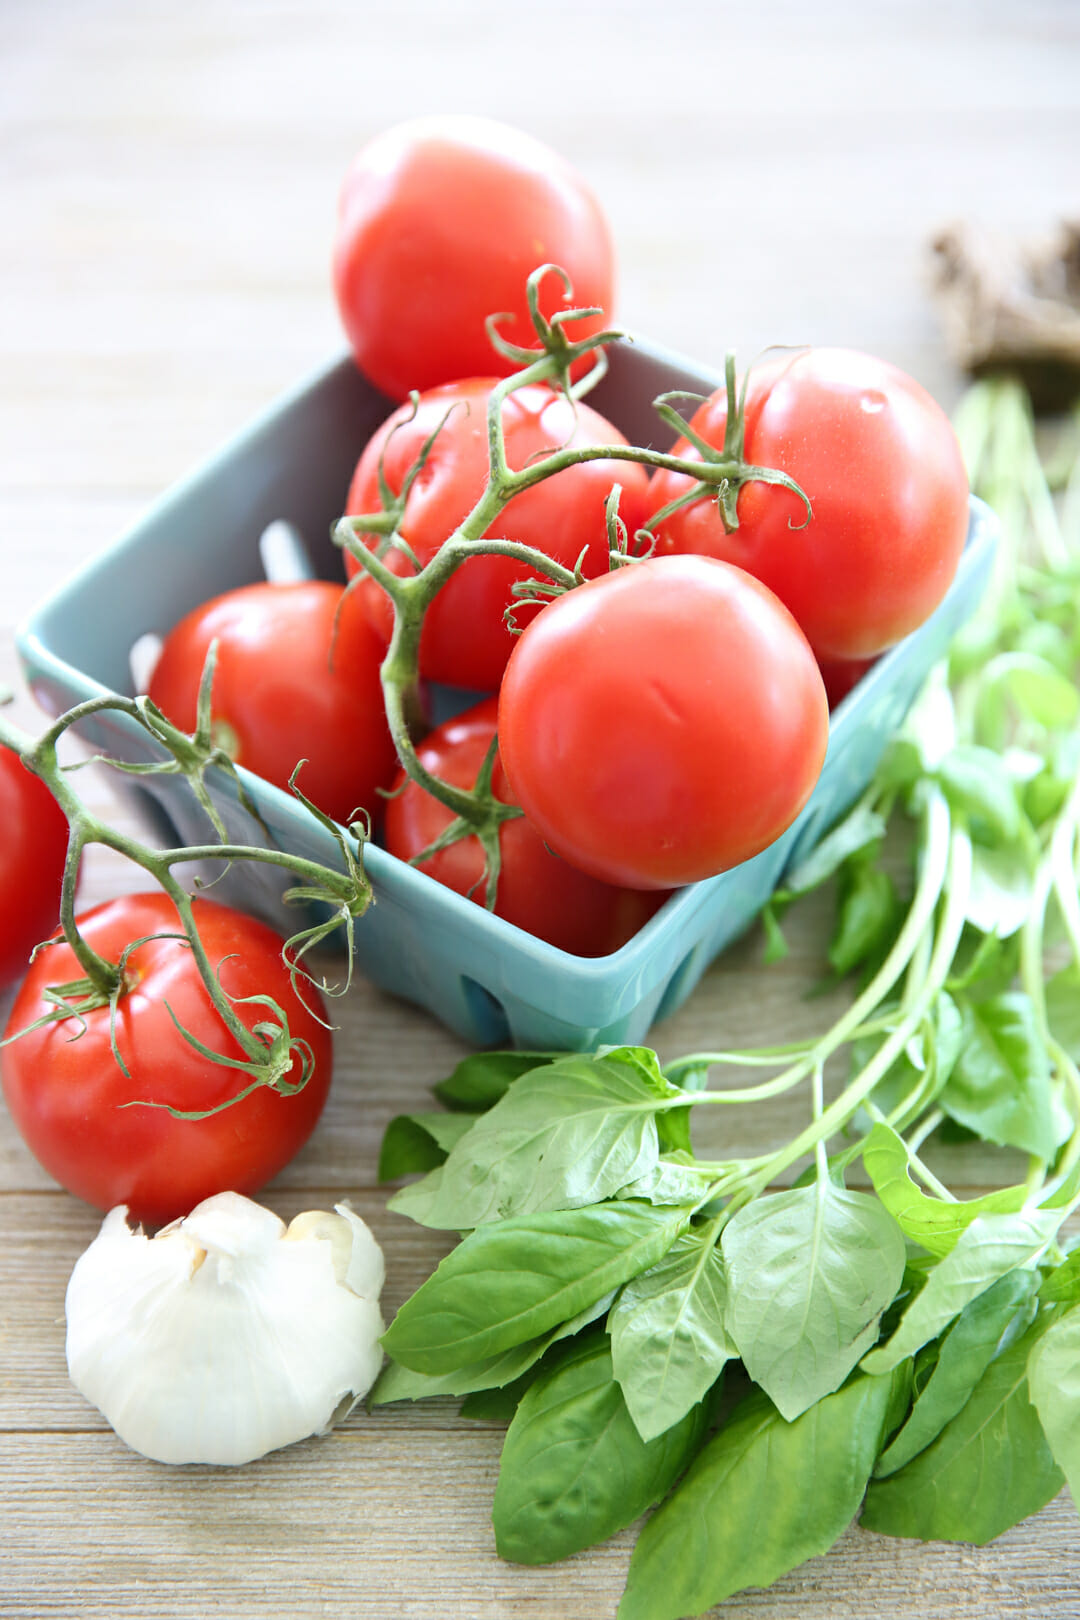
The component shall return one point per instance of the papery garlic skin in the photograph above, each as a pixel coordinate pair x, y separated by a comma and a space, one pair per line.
226, 1335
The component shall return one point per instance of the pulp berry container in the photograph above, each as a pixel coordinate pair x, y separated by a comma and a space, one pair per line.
486, 979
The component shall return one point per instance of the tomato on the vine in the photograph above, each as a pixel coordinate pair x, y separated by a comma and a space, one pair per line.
70, 1099
297, 677
465, 641
440, 223
879, 462
536, 890
33, 844
664, 722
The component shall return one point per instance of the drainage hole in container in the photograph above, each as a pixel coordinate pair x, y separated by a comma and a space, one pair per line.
683, 980
486, 1013
284, 554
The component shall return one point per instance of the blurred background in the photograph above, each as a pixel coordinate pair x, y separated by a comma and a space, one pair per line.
772, 173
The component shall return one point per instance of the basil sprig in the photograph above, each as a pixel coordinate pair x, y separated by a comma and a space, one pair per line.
670, 1332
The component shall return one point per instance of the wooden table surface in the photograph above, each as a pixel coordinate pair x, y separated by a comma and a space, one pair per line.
168, 180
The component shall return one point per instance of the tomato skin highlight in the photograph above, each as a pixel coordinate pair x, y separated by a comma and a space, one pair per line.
537, 891
297, 677
33, 845
66, 1096
440, 222
663, 723
465, 641
879, 461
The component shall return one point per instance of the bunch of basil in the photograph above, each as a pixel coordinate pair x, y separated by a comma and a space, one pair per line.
660, 1328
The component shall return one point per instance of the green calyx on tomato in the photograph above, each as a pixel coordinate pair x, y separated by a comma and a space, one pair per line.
465, 641
444, 594
440, 222
150, 1104
191, 1011
537, 890
881, 466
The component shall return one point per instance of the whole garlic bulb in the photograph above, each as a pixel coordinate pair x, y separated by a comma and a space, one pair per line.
228, 1334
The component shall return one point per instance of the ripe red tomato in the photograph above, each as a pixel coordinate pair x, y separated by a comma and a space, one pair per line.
879, 461
33, 843
288, 686
664, 722
537, 891
465, 641
440, 223
67, 1095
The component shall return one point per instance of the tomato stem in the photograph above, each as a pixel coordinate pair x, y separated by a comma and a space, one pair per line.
270, 1054
476, 812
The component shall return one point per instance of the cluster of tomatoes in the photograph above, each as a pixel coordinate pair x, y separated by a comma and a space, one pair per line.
661, 722
667, 719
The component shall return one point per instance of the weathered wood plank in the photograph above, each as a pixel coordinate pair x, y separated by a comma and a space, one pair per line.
374, 1523
168, 185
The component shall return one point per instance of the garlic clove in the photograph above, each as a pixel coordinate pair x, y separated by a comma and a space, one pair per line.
226, 1335
358, 1260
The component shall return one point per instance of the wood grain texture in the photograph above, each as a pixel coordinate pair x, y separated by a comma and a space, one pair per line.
167, 179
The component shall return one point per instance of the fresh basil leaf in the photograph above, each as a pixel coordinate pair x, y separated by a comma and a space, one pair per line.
809, 1273
419, 1142
1054, 1381
960, 1361
672, 1124
989, 1248
687, 1073
1000, 1085
935, 1223
924, 1065
866, 915
397, 1383
496, 1405
520, 1278
574, 1469
989, 1468
481, 1079
930, 725
643, 1061
1063, 1009
668, 1340
776, 946
1040, 691
565, 1135
977, 784
984, 966
762, 1496
417, 1200
858, 832
1002, 886
901, 766
670, 1181
1064, 1191
1062, 1286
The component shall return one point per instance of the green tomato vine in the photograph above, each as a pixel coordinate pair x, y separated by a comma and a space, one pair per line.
717, 473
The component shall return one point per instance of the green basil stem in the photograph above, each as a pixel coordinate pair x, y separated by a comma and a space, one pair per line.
950, 927
936, 833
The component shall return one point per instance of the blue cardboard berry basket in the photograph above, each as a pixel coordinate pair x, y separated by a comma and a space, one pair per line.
486, 979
